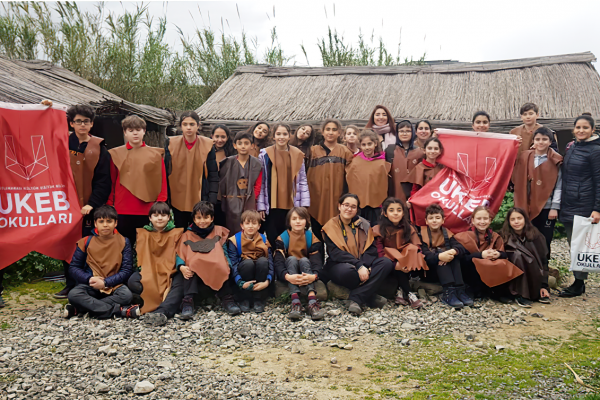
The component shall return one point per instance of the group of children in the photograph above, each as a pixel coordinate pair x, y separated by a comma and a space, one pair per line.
235, 214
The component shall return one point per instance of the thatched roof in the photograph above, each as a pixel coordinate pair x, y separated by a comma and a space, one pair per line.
563, 86
29, 82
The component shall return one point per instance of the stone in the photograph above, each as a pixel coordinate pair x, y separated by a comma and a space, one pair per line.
164, 376
48, 389
242, 364
164, 364
500, 347
338, 292
143, 387
334, 313
335, 366
408, 327
405, 342
348, 347
537, 315
470, 337
102, 387
481, 345
334, 360
113, 372
349, 368
104, 349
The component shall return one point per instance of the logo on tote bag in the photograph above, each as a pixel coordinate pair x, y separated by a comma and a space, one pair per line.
588, 241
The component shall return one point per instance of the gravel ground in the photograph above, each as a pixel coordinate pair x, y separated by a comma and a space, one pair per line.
45, 356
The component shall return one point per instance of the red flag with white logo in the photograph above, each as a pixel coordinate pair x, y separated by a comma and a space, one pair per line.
39, 210
478, 169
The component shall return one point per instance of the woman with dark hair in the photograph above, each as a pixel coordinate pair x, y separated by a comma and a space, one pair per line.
261, 138
304, 139
223, 142
481, 121
424, 131
404, 156
352, 256
382, 122
526, 248
192, 170
580, 187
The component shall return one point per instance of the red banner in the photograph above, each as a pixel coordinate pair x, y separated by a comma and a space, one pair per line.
39, 210
478, 170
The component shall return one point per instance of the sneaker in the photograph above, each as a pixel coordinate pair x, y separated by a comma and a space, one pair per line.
70, 311
63, 294
296, 311
449, 298
464, 297
132, 311
577, 288
230, 305
400, 300
259, 306
354, 308
544, 300
523, 302
414, 301
187, 308
378, 301
155, 319
315, 311
245, 306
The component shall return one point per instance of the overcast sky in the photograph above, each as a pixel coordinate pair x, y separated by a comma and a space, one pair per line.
459, 30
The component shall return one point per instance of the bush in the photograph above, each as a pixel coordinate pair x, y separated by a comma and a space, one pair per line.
32, 266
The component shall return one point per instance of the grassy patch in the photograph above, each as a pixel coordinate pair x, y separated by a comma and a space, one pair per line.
4, 325
39, 291
449, 369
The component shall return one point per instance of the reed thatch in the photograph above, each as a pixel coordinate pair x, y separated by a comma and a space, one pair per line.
447, 94
29, 82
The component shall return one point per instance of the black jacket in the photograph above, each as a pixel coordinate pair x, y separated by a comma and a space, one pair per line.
339, 256
581, 180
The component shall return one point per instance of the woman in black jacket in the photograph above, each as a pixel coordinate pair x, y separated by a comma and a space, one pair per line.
580, 186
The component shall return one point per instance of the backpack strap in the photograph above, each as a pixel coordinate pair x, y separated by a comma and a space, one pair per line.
87, 242
238, 242
285, 237
308, 236
263, 236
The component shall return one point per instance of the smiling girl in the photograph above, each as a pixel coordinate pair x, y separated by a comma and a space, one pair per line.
304, 139
404, 157
223, 145
260, 133
382, 122
481, 121
424, 131
427, 169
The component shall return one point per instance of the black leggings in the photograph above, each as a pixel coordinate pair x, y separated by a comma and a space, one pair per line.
171, 304
447, 275
346, 275
192, 286
545, 226
182, 219
129, 223
275, 224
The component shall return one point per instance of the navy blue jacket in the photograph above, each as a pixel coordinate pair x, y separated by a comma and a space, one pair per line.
81, 272
235, 260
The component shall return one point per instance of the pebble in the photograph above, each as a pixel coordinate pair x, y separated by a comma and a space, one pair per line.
334, 360
500, 347
348, 347
537, 315
470, 337
349, 368
405, 342
242, 364
143, 387
102, 387
113, 372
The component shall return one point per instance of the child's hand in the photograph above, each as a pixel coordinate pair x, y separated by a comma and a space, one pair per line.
294, 279
408, 205
248, 283
519, 139
262, 215
363, 273
85, 210
47, 103
97, 283
446, 257
544, 293
487, 254
307, 279
553, 214
186, 271
261, 286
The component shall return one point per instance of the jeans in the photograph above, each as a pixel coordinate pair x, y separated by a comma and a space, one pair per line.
102, 306
295, 266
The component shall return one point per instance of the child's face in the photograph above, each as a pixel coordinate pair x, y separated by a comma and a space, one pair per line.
297, 223
517, 221
405, 134
159, 221
81, 125
368, 147
250, 227
304, 133
423, 131
105, 226
394, 213
541, 143
331, 133
189, 126
481, 124
243, 146
282, 136
481, 220
135, 136
219, 137
203, 221
380, 117
435, 221
261, 131
529, 117
351, 136
432, 151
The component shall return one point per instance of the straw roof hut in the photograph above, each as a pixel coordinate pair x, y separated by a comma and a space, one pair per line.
447, 94
29, 82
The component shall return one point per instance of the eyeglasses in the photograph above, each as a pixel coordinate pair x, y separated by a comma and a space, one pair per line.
82, 122
349, 206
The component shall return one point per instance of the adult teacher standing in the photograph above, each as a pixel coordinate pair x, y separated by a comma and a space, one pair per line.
580, 187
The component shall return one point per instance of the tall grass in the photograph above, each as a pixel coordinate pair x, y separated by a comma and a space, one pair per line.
127, 54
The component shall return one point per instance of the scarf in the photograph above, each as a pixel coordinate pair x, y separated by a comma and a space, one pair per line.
376, 156
381, 129
202, 232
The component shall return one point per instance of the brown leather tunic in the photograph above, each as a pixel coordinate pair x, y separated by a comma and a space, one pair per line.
140, 170
356, 244
407, 255
104, 256
83, 166
402, 165
368, 180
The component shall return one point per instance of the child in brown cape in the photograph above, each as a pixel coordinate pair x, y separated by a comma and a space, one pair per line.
367, 176
485, 266
530, 112
158, 286
260, 137
537, 184
427, 169
202, 259
251, 262
404, 157
327, 175
442, 253
526, 248
397, 240
351, 134
298, 261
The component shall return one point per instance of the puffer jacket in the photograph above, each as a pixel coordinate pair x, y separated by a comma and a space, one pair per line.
581, 180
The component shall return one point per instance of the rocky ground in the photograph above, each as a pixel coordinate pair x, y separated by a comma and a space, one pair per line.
251, 356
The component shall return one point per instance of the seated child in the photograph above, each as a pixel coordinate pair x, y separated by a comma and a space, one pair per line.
526, 248
441, 252
298, 261
397, 240
158, 283
101, 265
251, 262
484, 266
202, 258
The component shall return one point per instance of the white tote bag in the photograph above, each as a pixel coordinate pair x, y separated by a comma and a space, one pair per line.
585, 245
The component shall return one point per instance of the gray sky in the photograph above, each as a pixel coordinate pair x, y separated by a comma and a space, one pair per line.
443, 29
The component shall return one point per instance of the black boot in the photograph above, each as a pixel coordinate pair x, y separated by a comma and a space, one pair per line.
187, 308
449, 298
576, 289
462, 295
230, 306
